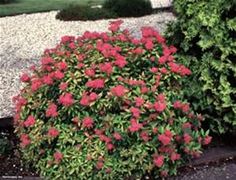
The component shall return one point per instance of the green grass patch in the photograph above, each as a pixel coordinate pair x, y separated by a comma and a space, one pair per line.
33, 6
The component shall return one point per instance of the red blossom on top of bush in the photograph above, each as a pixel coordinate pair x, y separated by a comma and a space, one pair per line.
66, 99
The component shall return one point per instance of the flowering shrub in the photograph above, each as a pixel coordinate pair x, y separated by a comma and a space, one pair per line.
106, 105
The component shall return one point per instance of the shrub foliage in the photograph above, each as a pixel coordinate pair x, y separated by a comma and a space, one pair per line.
131, 8
205, 33
5, 1
78, 12
106, 106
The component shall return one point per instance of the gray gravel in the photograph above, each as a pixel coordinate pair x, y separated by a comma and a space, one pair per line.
23, 39
222, 172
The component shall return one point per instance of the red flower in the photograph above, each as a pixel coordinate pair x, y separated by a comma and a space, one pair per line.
72, 45
117, 136
135, 112
25, 78
138, 50
99, 165
115, 25
93, 96
187, 138
160, 106
164, 173
58, 75
66, 99
139, 101
120, 61
187, 125
30, 121
85, 100
47, 60
25, 140
80, 65
36, 84
89, 72
66, 39
165, 140
53, 132
109, 146
62, 66
58, 156
118, 91
63, 86
106, 67
144, 89
147, 32
163, 59
144, 136
177, 104
135, 126
174, 156
163, 70
104, 138
207, 140
97, 83
149, 45
52, 110
154, 70
158, 160
185, 107
168, 133
161, 98
87, 122
47, 80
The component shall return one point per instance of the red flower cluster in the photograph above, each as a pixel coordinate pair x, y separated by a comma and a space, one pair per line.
135, 125
58, 156
118, 91
66, 99
87, 122
30, 121
52, 110
25, 78
182, 106
87, 99
106, 68
25, 140
158, 160
53, 132
96, 84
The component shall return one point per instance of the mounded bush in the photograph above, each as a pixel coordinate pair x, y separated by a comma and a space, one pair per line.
78, 12
130, 8
205, 33
5, 1
106, 106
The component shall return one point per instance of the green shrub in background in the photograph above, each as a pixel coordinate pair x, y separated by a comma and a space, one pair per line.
78, 12
205, 33
5, 1
129, 8
106, 106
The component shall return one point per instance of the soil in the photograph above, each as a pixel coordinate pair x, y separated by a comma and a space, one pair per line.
11, 162
217, 163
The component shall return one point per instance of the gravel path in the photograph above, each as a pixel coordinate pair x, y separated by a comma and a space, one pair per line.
23, 39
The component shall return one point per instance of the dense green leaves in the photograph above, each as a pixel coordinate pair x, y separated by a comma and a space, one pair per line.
205, 32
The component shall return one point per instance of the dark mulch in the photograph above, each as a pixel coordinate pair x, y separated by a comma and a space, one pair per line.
11, 162
219, 159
